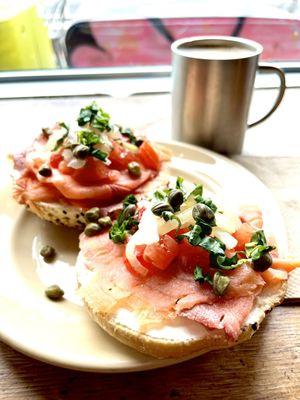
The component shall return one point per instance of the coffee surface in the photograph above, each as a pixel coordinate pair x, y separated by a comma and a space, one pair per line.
217, 52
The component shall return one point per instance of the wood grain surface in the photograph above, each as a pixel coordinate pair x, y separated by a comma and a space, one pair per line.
265, 368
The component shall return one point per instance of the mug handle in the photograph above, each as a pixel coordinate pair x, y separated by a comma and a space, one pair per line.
279, 72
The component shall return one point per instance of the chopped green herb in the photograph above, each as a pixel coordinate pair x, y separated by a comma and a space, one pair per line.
99, 154
95, 116
64, 125
167, 216
179, 183
197, 191
128, 132
200, 277
161, 194
117, 232
226, 263
130, 199
258, 246
126, 221
87, 137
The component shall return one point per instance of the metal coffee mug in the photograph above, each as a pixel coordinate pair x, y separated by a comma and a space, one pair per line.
213, 80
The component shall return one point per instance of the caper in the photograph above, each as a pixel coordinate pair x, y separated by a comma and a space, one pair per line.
159, 208
134, 169
175, 198
48, 253
92, 215
92, 229
220, 283
46, 132
105, 222
54, 292
139, 142
129, 211
45, 171
263, 262
202, 211
81, 151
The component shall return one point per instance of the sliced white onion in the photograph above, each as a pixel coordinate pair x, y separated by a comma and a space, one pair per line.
105, 144
67, 155
185, 217
228, 221
134, 262
76, 163
229, 241
148, 230
57, 135
146, 234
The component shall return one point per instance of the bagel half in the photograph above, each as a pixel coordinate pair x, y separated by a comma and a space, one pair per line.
201, 340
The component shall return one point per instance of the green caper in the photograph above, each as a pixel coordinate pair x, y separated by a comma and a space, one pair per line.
202, 211
48, 253
129, 211
220, 283
93, 214
175, 199
134, 169
105, 222
45, 171
54, 292
159, 208
263, 262
92, 229
81, 151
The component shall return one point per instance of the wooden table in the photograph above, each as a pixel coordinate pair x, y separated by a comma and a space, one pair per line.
267, 367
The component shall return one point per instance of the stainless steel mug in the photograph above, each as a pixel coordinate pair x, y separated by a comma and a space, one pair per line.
213, 80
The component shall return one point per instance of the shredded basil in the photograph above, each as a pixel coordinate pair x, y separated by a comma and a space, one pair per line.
125, 222
258, 246
60, 141
200, 277
179, 183
208, 202
127, 132
99, 154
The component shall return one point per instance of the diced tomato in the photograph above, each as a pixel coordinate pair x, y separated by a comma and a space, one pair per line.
243, 235
121, 157
288, 264
189, 256
148, 156
174, 233
161, 254
64, 169
55, 159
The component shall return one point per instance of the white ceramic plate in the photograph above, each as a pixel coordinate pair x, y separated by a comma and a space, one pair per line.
62, 333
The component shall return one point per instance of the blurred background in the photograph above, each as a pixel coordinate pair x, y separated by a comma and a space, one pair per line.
68, 34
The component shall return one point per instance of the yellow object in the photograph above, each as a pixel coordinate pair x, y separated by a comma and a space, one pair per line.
24, 41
